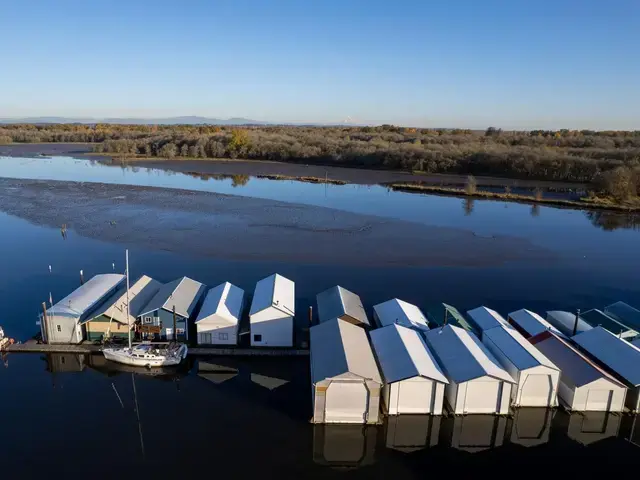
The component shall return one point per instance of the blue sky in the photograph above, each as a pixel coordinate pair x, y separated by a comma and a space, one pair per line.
509, 63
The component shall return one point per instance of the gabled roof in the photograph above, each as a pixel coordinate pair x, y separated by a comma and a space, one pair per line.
183, 293
625, 314
402, 354
619, 356
274, 291
339, 347
485, 318
401, 312
517, 349
462, 356
140, 292
564, 321
87, 296
574, 365
225, 301
596, 317
337, 302
436, 315
531, 322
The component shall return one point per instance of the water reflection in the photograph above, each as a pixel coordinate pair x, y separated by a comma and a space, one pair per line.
344, 446
215, 373
590, 427
408, 433
65, 362
610, 221
531, 427
476, 433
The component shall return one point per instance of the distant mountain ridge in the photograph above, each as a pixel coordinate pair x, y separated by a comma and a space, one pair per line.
186, 120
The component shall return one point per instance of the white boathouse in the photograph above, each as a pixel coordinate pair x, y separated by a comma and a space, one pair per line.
272, 312
219, 317
396, 311
338, 302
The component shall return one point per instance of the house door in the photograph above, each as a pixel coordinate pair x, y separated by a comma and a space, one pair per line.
482, 397
536, 391
599, 400
415, 396
346, 402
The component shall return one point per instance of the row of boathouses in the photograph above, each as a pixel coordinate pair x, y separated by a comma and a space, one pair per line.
397, 361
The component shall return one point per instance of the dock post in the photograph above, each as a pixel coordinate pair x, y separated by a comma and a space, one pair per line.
575, 324
310, 314
81, 277
446, 317
45, 323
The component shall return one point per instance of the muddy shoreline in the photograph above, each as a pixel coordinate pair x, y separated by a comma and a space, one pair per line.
358, 176
241, 228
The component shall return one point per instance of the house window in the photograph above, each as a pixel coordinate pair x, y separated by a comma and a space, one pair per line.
148, 320
223, 336
59, 329
257, 338
206, 337
180, 331
62, 360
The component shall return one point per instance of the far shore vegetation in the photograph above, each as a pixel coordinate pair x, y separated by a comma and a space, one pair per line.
607, 161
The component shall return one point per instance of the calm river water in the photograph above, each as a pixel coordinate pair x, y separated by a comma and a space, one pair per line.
76, 416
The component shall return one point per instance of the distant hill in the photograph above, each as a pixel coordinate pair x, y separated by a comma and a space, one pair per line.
187, 120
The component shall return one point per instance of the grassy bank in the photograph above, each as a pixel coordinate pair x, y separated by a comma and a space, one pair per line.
329, 181
607, 203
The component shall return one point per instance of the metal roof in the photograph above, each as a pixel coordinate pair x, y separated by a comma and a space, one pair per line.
517, 349
274, 291
596, 317
485, 318
437, 315
624, 313
339, 347
462, 356
574, 365
636, 342
225, 301
619, 356
564, 321
401, 312
531, 322
140, 292
87, 296
337, 301
183, 293
402, 354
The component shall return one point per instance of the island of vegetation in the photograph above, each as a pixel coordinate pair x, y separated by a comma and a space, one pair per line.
606, 163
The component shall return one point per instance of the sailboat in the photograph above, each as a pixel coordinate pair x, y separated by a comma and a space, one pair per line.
145, 354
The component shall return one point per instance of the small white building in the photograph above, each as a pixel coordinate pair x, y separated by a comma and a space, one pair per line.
619, 357
536, 376
529, 323
345, 378
338, 302
483, 318
413, 380
584, 386
477, 382
399, 312
272, 312
62, 323
219, 317
566, 322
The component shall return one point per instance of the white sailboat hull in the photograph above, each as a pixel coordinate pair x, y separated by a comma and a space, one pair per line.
147, 357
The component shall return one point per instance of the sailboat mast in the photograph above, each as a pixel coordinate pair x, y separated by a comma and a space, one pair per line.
128, 309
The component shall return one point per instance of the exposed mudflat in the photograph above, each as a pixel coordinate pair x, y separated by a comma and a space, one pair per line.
241, 228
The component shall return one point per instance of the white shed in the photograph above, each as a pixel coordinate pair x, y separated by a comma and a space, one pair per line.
619, 357
219, 317
536, 376
63, 321
272, 312
483, 318
529, 323
400, 312
584, 386
566, 322
477, 382
345, 378
413, 380
338, 302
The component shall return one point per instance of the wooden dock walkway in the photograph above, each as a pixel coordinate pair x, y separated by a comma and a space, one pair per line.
34, 347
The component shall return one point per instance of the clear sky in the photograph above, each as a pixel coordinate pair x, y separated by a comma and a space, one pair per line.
466, 63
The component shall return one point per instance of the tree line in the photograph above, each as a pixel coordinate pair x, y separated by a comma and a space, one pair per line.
598, 157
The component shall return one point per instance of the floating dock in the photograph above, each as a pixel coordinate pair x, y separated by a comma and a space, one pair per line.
34, 347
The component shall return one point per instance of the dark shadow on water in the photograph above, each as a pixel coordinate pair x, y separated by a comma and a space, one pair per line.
610, 221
